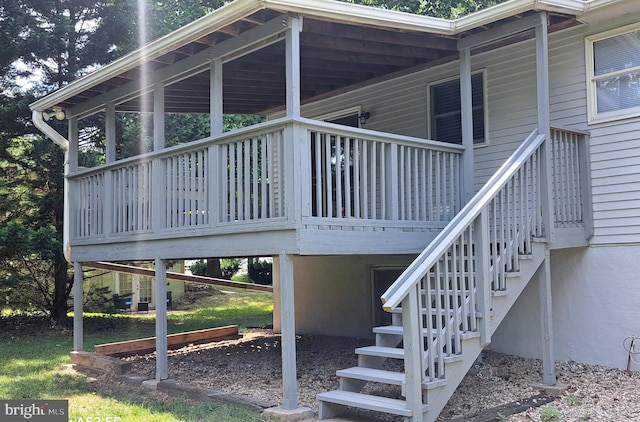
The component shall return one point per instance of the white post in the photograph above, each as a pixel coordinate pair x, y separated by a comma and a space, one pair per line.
544, 273
466, 114
110, 145
216, 99
78, 332
72, 161
162, 371
413, 349
158, 117
287, 313
546, 322
110, 133
293, 66
483, 282
542, 87
157, 172
70, 166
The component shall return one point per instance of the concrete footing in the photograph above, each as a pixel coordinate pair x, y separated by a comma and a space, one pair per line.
557, 389
287, 415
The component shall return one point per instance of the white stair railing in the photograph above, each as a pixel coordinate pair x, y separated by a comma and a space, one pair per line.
454, 276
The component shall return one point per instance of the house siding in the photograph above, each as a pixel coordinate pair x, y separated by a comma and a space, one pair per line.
594, 288
595, 308
400, 106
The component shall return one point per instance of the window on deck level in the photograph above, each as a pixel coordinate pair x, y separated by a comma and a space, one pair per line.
613, 67
445, 122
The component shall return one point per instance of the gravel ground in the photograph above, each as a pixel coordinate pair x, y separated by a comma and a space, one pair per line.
251, 367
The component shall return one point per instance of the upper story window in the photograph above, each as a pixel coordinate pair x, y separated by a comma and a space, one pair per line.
613, 69
445, 121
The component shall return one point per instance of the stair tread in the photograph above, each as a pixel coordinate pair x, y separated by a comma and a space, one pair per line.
372, 374
367, 401
383, 376
388, 352
397, 330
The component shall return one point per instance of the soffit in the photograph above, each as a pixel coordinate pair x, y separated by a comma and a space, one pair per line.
336, 55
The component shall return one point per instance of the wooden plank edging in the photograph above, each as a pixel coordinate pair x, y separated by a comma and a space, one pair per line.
173, 341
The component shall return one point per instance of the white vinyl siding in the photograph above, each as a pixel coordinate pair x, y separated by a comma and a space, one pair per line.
399, 106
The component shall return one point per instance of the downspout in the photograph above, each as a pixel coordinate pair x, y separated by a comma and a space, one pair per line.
51, 133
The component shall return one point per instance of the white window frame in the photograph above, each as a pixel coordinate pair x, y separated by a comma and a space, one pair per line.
484, 105
338, 114
592, 79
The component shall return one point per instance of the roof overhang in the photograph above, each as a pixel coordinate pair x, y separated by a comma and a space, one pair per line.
405, 27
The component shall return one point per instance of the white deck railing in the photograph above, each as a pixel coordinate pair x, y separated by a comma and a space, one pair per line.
568, 151
446, 291
363, 176
276, 171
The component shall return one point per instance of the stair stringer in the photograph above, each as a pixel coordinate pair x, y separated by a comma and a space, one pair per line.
501, 304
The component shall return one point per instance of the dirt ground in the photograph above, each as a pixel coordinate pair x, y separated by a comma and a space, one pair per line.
251, 367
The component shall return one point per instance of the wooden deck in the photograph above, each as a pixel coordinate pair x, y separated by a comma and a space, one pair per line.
291, 184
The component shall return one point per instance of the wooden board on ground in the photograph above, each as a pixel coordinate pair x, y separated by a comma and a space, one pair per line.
131, 347
196, 279
501, 412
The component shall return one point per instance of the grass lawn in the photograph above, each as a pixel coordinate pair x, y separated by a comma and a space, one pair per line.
34, 363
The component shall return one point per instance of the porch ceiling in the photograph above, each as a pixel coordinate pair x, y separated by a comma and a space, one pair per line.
335, 56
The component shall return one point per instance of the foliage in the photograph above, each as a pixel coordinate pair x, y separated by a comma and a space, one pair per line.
33, 271
448, 9
98, 299
260, 271
549, 414
229, 266
198, 268
48, 44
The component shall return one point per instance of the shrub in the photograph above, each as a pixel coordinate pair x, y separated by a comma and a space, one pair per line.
549, 414
198, 268
260, 271
98, 299
229, 266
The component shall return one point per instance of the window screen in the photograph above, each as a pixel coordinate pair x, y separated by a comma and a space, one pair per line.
446, 120
617, 72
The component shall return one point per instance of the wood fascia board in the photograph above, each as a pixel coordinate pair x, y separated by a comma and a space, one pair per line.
243, 44
599, 10
513, 8
366, 15
199, 28
499, 32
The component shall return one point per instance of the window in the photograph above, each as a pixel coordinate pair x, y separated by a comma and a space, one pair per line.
146, 289
445, 122
613, 69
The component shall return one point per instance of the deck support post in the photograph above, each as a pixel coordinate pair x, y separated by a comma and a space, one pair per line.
216, 99
466, 114
293, 66
288, 328
544, 124
284, 301
78, 331
110, 133
162, 371
546, 321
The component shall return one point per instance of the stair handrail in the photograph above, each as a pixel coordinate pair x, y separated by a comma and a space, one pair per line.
394, 295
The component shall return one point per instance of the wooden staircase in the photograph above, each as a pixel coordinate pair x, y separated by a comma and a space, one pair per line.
451, 299
388, 347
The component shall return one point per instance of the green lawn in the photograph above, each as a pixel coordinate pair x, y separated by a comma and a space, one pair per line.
34, 364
